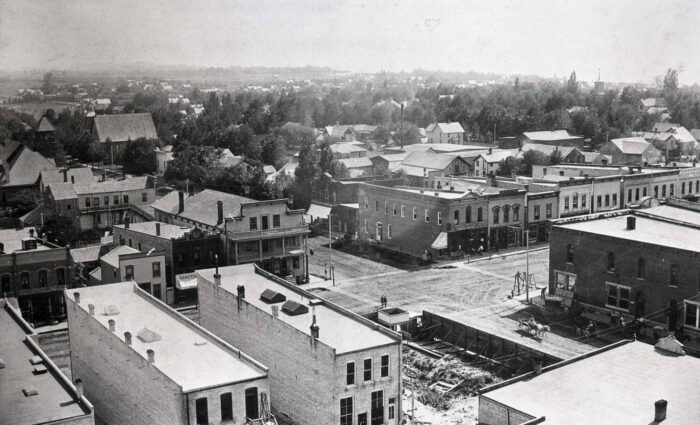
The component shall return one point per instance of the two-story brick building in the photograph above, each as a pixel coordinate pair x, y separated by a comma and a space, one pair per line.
327, 365
185, 249
143, 363
35, 272
641, 263
267, 232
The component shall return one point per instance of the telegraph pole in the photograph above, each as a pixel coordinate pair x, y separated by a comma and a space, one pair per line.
330, 248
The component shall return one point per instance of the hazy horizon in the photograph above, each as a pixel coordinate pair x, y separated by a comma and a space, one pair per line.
628, 41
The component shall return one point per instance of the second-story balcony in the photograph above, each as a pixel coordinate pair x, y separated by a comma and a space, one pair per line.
250, 235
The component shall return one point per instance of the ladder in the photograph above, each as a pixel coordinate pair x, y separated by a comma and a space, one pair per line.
266, 417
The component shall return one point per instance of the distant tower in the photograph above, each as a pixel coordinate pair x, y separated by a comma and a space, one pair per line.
599, 86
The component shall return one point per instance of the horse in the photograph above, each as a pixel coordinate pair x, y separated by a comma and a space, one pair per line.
586, 331
541, 331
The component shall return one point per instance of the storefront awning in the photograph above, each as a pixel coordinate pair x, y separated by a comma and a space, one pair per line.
318, 211
186, 281
440, 242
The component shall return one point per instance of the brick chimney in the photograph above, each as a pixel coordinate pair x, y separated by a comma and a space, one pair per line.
79, 387
220, 212
76, 296
151, 356
157, 229
314, 326
660, 407
275, 311
91, 307
127, 338
111, 324
181, 202
65, 175
631, 223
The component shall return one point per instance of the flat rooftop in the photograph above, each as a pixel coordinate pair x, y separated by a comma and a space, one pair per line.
674, 213
651, 231
616, 386
12, 239
167, 231
54, 401
432, 192
186, 353
340, 330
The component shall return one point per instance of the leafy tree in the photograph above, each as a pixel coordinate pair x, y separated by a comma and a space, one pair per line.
507, 166
530, 158
305, 175
24, 200
49, 85
381, 135
572, 84
273, 151
555, 157
61, 229
671, 80
139, 156
411, 135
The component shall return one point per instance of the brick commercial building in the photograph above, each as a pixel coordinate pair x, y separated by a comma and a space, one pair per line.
637, 263
618, 384
185, 248
327, 365
102, 204
266, 232
35, 272
143, 363
33, 390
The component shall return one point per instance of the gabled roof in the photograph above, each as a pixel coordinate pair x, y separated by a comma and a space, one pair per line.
631, 145
498, 155
446, 127
82, 175
548, 149
202, 207
664, 127
124, 127
62, 191
44, 125
695, 133
429, 159
112, 257
86, 254
652, 102
21, 166
169, 203
338, 130
346, 148
269, 169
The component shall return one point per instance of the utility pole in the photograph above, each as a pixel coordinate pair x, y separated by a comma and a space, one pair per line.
330, 248
527, 266
401, 125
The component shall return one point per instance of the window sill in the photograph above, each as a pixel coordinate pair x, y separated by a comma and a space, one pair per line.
385, 379
612, 307
350, 387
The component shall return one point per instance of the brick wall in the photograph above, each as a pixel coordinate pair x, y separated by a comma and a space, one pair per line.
213, 397
307, 379
493, 413
122, 385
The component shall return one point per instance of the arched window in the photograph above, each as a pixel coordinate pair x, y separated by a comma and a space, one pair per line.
468, 215
663, 191
506, 213
641, 268
516, 212
570, 253
674, 275
575, 200
496, 212
611, 261
456, 216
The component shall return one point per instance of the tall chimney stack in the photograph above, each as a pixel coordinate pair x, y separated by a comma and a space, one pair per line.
220, 212
157, 229
241, 291
314, 326
151, 356
65, 175
181, 202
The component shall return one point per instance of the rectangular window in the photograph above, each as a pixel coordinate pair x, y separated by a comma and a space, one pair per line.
386, 207
129, 272
376, 205
116, 199
456, 217
644, 192
618, 296
566, 203
366, 203
144, 197
96, 201
202, 411
629, 195
415, 213
265, 222
253, 223
385, 366
636, 194
583, 201
575, 201
439, 218
276, 222
346, 411
564, 280
614, 199
537, 212
350, 373
479, 214
671, 190
106, 200
87, 202
692, 314
427, 216
403, 211
126, 199
607, 200
516, 213
392, 407
388, 231
393, 209
156, 269
367, 375
683, 188
226, 406
600, 201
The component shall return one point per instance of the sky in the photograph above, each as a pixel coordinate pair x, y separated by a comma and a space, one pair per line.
630, 41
